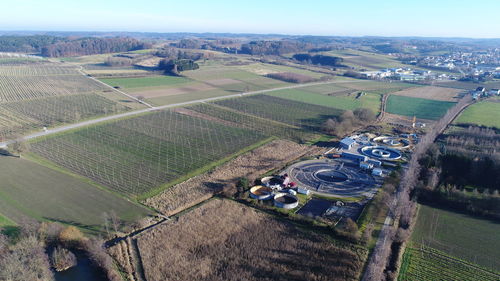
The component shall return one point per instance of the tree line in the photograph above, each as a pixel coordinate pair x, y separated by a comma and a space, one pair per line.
27, 44
55, 46
319, 59
274, 47
91, 46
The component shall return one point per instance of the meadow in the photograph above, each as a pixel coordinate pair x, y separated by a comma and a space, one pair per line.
224, 240
140, 156
468, 238
299, 114
483, 113
28, 189
421, 108
344, 102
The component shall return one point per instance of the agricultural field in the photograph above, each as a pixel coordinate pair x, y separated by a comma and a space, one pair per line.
32, 190
432, 93
26, 82
238, 119
264, 69
33, 96
345, 102
421, 108
299, 114
224, 240
468, 238
24, 116
143, 82
206, 82
429, 264
233, 78
459, 84
366, 60
484, 113
140, 156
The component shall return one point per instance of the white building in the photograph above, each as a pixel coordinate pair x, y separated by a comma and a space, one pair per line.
347, 143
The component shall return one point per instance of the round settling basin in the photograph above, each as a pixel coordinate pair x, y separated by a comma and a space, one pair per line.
331, 176
261, 192
286, 201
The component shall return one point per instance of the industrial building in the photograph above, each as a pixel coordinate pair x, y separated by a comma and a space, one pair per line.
347, 143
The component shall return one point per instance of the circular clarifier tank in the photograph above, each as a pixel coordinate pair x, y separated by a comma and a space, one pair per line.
261, 192
381, 152
331, 175
285, 201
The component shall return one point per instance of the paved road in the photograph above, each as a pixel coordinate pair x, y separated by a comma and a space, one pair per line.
153, 108
113, 88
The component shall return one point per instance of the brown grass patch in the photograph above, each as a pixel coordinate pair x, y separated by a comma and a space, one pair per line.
250, 165
224, 240
432, 93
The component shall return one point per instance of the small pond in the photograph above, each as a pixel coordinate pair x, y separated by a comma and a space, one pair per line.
83, 271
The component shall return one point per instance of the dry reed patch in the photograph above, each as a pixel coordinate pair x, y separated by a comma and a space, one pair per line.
224, 240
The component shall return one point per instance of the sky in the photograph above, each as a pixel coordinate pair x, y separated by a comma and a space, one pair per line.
430, 18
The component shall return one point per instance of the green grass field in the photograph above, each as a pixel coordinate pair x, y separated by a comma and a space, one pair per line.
482, 113
421, 108
5, 221
143, 82
472, 239
425, 264
371, 101
33, 190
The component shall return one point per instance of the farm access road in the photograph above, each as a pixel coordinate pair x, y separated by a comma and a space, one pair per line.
153, 108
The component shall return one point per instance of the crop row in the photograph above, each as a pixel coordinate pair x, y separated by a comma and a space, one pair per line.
303, 115
429, 264
263, 126
136, 155
36, 70
21, 116
31, 87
